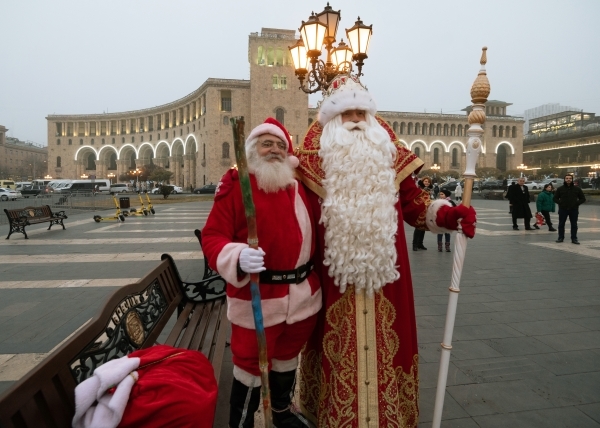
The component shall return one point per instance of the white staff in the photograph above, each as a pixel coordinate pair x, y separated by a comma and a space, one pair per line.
479, 93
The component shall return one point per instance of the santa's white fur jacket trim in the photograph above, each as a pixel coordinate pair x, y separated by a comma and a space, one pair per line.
431, 216
349, 96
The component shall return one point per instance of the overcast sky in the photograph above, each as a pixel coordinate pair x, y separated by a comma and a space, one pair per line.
82, 56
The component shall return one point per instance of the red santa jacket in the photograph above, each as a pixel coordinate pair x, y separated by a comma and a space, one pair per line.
287, 236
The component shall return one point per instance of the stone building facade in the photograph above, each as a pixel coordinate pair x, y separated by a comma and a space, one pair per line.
192, 136
21, 160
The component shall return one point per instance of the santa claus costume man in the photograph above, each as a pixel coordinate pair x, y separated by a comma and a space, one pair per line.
289, 287
360, 367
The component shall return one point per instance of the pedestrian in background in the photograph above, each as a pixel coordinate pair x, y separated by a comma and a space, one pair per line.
518, 195
458, 192
568, 197
419, 235
545, 204
445, 194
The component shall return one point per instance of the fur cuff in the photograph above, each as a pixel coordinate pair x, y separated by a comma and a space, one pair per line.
227, 262
431, 217
246, 378
282, 366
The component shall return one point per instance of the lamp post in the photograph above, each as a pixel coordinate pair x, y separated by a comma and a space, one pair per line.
321, 30
48, 177
110, 177
435, 167
522, 168
84, 176
137, 173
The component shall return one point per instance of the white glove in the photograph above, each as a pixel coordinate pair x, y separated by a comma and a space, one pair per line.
252, 261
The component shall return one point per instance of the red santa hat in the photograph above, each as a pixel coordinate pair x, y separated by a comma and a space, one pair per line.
273, 127
345, 93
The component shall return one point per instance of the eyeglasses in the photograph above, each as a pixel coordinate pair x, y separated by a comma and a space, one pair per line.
267, 144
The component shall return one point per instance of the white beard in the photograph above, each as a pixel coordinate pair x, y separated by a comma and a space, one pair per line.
359, 211
270, 176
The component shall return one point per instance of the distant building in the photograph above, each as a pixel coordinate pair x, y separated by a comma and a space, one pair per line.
569, 140
192, 136
21, 160
542, 111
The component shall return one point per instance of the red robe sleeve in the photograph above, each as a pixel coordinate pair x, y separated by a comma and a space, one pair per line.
414, 202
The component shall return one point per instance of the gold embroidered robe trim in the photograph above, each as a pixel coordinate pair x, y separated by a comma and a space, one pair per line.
368, 396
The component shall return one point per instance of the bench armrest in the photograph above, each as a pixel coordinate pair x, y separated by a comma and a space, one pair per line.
59, 214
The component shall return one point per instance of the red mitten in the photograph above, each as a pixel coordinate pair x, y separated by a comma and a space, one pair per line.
448, 217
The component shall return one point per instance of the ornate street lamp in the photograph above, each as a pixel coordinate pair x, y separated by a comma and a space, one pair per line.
320, 30
48, 177
137, 173
522, 168
84, 176
435, 167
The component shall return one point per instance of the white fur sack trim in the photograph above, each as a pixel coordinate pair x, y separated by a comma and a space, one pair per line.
431, 216
349, 97
283, 366
246, 378
268, 128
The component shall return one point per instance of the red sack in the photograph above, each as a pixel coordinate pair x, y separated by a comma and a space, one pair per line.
539, 219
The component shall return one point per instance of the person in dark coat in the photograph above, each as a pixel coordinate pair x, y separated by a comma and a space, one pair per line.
518, 196
418, 234
545, 204
568, 197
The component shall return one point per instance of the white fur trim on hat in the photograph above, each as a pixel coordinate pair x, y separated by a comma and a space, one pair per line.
350, 95
267, 128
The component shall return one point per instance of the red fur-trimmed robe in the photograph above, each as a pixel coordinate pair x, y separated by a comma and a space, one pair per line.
360, 367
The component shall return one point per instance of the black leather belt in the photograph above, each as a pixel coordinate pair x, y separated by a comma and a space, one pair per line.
294, 276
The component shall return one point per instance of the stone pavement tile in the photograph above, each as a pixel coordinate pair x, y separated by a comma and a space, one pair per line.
17, 308
428, 375
515, 346
507, 317
592, 410
570, 362
497, 397
452, 410
572, 341
536, 328
493, 331
526, 304
584, 301
431, 321
474, 319
503, 369
591, 323
425, 301
452, 423
429, 335
547, 418
472, 308
431, 310
567, 390
469, 296
461, 350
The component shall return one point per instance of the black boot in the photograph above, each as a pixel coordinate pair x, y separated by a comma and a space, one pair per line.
282, 390
243, 403
447, 247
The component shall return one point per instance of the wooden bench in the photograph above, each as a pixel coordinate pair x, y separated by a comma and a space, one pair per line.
21, 217
133, 318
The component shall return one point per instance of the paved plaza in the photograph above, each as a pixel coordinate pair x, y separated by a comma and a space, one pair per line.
526, 348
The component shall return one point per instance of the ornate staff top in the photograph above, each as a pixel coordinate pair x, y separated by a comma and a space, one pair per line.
479, 94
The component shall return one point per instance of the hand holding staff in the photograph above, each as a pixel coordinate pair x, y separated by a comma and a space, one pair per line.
263, 362
479, 93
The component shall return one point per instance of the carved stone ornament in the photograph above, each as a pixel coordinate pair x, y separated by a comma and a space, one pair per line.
134, 327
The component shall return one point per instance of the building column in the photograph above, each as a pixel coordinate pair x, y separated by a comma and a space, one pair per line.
187, 171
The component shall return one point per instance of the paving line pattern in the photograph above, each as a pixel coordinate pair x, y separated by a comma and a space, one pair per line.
72, 283
586, 248
100, 241
98, 258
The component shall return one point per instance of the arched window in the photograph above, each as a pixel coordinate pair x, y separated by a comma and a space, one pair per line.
436, 155
58, 162
417, 128
424, 129
310, 120
225, 151
270, 57
395, 126
403, 128
282, 82
280, 115
418, 152
501, 131
70, 142
460, 131
494, 131
445, 129
514, 132
431, 129
92, 142
103, 141
275, 81
133, 139
112, 163
225, 120
113, 141
455, 157
122, 139
438, 129
278, 57
81, 141
58, 142
260, 59
453, 130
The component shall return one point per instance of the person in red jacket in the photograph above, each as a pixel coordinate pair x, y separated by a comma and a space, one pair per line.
289, 287
360, 367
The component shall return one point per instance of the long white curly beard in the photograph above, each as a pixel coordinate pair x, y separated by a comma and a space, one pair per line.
359, 211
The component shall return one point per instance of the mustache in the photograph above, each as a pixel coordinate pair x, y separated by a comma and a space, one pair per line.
274, 156
350, 126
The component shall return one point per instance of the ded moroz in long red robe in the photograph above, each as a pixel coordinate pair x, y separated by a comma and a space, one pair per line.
360, 367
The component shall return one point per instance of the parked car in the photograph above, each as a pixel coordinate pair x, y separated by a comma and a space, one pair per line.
533, 185
6, 194
33, 190
556, 182
208, 189
176, 189
583, 182
119, 188
491, 185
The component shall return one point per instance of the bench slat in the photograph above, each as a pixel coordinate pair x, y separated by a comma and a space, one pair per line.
188, 335
179, 325
218, 351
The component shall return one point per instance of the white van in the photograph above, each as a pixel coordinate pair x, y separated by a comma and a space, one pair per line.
103, 185
20, 184
7, 184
